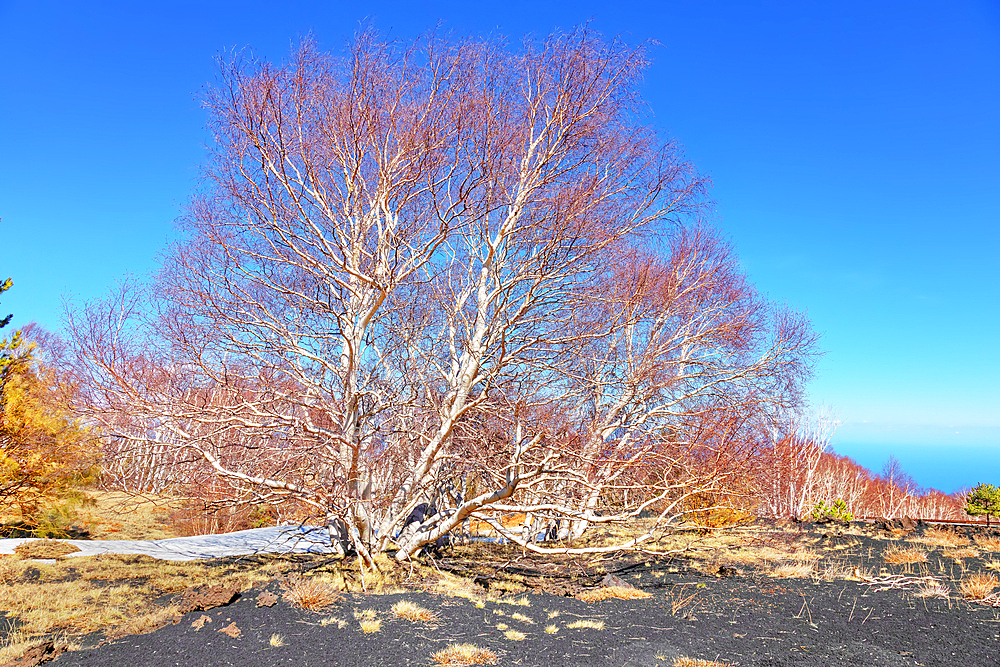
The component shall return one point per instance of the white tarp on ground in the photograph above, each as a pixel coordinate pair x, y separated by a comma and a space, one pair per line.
280, 540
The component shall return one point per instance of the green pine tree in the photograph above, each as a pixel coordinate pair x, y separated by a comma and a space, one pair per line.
983, 499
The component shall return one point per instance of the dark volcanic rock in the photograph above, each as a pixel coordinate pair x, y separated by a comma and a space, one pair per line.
614, 580
207, 597
267, 599
36, 655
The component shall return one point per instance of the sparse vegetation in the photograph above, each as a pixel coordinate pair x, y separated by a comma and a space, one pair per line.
370, 625
900, 555
695, 662
978, 586
988, 542
613, 593
960, 553
83, 604
792, 570
413, 612
310, 593
941, 537
933, 589
45, 549
464, 654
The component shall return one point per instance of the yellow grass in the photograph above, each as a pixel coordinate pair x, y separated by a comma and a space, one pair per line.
44, 549
551, 629
276, 640
310, 593
458, 587
517, 616
988, 542
464, 654
517, 602
942, 538
110, 592
898, 555
121, 516
960, 553
514, 635
413, 612
586, 623
368, 620
613, 592
367, 614
792, 570
369, 625
978, 586
695, 662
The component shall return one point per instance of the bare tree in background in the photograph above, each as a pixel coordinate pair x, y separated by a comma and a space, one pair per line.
437, 284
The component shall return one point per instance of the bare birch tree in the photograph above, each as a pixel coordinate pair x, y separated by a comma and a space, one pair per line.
410, 290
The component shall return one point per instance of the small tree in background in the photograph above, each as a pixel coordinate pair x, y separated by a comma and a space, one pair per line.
44, 452
983, 499
10, 349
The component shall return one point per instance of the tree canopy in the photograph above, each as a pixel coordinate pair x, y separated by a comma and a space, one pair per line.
450, 276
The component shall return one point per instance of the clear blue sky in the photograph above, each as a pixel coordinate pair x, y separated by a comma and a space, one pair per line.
854, 149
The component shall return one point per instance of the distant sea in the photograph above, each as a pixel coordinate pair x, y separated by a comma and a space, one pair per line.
944, 458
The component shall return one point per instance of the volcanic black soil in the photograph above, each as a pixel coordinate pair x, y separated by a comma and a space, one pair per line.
739, 615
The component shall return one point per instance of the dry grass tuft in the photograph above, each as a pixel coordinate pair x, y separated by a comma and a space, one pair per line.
339, 622
517, 616
11, 569
613, 592
517, 602
514, 635
370, 625
413, 612
992, 564
276, 640
939, 537
978, 586
44, 549
310, 593
960, 553
988, 542
464, 654
695, 662
792, 570
458, 587
15, 642
586, 623
551, 629
897, 555
368, 620
934, 589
